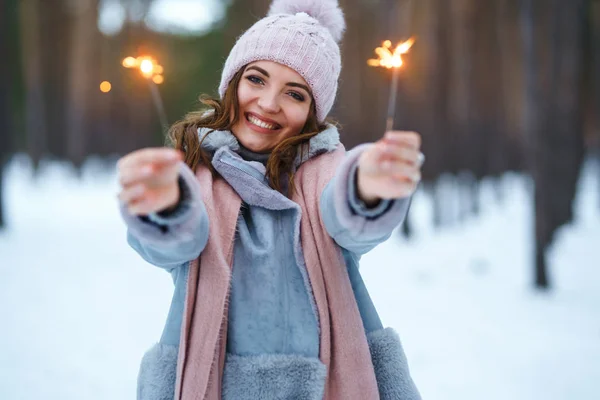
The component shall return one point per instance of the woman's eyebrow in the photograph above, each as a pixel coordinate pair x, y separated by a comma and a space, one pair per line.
259, 69
299, 85
292, 84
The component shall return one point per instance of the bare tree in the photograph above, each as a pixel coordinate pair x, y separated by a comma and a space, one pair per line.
83, 77
53, 29
594, 109
35, 108
555, 113
5, 98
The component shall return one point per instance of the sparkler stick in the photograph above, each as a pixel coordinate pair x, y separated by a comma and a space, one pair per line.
158, 104
152, 71
389, 122
391, 60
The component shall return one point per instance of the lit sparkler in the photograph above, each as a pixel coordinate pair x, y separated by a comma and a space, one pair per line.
152, 71
391, 59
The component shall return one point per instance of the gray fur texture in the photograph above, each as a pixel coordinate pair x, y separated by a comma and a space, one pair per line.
156, 379
273, 377
325, 141
391, 367
217, 139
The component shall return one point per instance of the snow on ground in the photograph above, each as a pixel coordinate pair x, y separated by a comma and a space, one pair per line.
79, 308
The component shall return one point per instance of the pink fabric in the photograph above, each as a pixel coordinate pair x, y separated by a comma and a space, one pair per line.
343, 344
203, 334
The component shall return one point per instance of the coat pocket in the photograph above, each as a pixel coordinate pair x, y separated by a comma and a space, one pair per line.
391, 367
158, 370
273, 377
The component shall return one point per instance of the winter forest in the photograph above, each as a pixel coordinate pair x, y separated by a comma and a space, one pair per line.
492, 281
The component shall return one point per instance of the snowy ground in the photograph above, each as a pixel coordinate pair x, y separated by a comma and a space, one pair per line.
79, 308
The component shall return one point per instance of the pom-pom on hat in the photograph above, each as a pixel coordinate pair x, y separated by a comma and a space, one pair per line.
300, 34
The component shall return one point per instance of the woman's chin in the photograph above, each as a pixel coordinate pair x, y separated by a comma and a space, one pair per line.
257, 147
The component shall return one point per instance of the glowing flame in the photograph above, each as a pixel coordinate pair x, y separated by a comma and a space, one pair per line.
387, 57
148, 67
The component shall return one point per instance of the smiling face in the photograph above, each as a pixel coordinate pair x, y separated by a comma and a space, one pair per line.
274, 102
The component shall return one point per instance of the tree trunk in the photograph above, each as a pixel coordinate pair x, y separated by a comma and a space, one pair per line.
35, 110
557, 141
594, 114
55, 31
490, 90
512, 72
5, 99
530, 118
84, 78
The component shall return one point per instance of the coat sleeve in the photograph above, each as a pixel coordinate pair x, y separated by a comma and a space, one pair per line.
348, 221
170, 240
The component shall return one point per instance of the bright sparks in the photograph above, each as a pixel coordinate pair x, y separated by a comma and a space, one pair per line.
129, 62
387, 57
105, 87
148, 66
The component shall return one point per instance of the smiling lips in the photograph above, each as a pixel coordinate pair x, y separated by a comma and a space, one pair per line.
254, 120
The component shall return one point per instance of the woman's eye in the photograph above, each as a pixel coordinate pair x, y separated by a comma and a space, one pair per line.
255, 80
297, 96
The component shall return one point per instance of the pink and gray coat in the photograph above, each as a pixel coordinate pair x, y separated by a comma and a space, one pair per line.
273, 324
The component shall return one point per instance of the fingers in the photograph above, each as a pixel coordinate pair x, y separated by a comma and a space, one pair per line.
132, 174
143, 206
392, 168
392, 186
399, 190
141, 200
392, 158
404, 146
165, 175
410, 139
161, 155
132, 193
389, 157
400, 171
401, 153
149, 174
148, 178
154, 166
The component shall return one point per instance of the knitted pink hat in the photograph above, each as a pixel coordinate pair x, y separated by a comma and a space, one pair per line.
301, 34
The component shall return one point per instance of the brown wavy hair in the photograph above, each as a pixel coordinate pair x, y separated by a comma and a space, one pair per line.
223, 115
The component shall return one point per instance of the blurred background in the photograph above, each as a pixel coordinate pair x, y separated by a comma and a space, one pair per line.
493, 282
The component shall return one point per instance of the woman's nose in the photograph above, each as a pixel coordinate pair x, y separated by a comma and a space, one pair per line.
268, 102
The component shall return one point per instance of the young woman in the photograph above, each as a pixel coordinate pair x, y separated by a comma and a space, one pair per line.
261, 216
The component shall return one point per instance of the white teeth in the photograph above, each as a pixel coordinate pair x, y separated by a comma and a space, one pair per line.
260, 123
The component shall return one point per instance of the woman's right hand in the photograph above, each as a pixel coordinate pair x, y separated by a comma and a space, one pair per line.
148, 179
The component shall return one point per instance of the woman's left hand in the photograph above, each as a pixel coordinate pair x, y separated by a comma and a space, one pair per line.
391, 168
